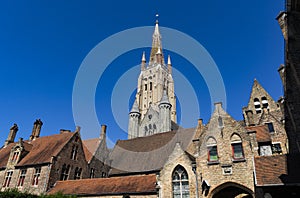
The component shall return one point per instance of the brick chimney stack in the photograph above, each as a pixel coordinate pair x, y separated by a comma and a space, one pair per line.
36, 130
12, 135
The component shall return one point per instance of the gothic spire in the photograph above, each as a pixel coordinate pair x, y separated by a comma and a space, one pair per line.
143, 64
156, 45
169, 64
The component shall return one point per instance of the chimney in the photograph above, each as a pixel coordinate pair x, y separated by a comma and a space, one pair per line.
12, 135
200, 122
36, 130
249, 114
64, 131
103, 132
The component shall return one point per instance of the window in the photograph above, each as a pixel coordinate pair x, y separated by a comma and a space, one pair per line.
22, 178
15, 156
264, 102
74, 152
145, 87
265, 149
77, 174
276, 148
237, 147
7, 178
257, 105
65, 172
270, 127
36, 176
180, 183
150, 86
212, 151
220, 122
92, 173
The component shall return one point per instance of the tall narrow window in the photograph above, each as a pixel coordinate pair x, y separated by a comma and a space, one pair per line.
15, 156
74, 152
36, 176
7, 178
237, 147
212, 150
270, 127
92, 173
77, 174
264, 102
22, 177
180, 183
145, 87
150, 86
65, 172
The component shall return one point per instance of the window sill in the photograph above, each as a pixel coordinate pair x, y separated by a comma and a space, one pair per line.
238, 160
213, 162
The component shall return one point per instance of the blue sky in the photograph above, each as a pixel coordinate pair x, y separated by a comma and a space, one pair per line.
43, 44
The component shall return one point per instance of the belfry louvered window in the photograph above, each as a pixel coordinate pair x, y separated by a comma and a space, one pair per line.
180, 183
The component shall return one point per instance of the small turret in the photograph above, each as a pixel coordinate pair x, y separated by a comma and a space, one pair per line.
169, 64
143, 64
134, 117
165, 113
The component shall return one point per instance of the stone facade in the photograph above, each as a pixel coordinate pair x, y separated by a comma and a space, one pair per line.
155, 87
226, 169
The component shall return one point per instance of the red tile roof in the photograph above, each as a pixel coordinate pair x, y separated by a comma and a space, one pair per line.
277, 170
40, 150
262, 133
89, 147
141, 184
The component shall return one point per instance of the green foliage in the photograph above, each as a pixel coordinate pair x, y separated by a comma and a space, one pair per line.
14, 193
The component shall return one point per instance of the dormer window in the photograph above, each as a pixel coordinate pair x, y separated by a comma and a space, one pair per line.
15, 156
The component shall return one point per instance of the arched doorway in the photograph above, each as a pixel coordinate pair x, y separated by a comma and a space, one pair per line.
231, 190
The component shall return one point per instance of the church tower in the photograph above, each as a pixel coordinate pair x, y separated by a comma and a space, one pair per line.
155, 84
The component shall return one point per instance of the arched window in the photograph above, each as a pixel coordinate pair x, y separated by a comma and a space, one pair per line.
180, 183
264, 102
237, 147
257, 105
212, 150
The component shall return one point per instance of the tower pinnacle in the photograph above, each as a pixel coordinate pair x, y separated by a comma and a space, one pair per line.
156, 44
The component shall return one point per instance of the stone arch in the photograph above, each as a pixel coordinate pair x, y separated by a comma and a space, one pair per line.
235, 137
231, 189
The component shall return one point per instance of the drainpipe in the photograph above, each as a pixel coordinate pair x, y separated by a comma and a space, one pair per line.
194, 168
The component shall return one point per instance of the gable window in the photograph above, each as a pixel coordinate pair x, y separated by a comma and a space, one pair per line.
74, 152
180, 183
212, 150
36, 176
264, 102
77, 174
15, 156
65, 172
270, 127
7, 178
22, 177
92, 173
257, 105
237, 147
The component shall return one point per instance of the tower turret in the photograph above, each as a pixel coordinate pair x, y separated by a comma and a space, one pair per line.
165, 113
133, 125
